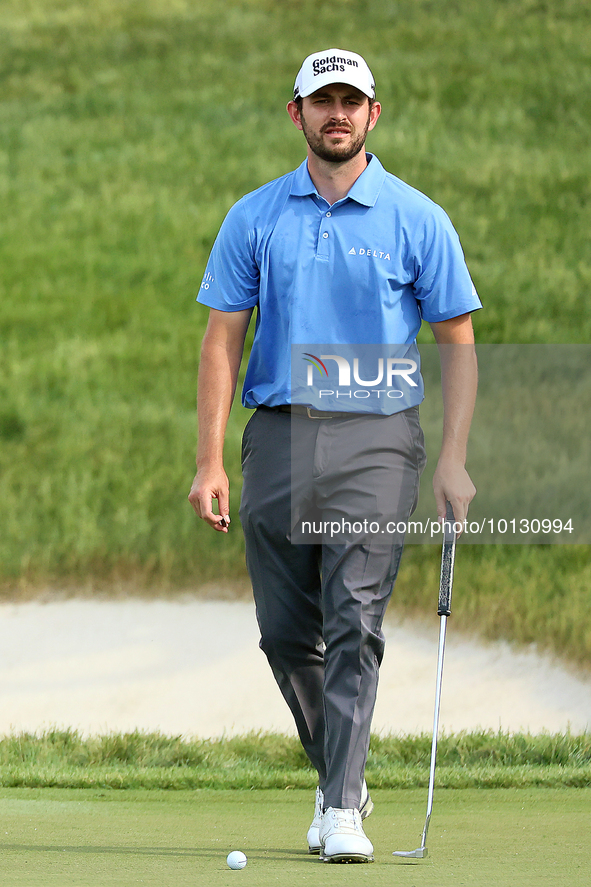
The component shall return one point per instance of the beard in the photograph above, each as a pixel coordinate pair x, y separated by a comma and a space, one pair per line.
335, 153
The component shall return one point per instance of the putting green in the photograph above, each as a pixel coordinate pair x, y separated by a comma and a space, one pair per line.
481, 838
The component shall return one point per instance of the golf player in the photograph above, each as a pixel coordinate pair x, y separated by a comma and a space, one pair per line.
338, 251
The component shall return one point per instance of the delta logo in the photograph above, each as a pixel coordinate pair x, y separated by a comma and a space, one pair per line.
370, 253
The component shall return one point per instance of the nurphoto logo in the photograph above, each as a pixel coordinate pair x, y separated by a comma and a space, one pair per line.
388, 371
354, 377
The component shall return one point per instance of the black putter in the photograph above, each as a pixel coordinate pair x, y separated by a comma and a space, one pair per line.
443, 610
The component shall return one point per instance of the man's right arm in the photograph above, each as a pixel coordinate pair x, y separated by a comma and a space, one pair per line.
221, 354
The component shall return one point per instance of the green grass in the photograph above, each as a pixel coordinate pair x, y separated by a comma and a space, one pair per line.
536, 595
65, 759
96, 838
127, 129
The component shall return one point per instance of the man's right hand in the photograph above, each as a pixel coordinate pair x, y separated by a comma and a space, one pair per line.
209, 485
221, 353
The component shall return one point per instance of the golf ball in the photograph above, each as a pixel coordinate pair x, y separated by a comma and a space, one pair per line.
236, 859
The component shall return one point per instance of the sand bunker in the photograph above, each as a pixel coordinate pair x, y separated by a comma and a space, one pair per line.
194, 668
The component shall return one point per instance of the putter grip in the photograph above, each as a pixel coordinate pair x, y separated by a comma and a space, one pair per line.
447, 564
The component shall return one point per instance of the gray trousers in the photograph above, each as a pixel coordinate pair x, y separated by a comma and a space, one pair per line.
320, 606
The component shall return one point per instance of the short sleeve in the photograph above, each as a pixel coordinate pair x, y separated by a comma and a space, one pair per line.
231, 279
443, 286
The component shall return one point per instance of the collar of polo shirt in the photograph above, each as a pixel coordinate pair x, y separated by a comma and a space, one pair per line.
364, 191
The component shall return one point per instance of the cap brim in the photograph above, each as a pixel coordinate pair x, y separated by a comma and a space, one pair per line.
329, 79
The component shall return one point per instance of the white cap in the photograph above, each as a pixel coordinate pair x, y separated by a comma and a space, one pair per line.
334, 66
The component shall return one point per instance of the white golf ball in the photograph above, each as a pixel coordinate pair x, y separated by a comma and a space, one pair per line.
236, 859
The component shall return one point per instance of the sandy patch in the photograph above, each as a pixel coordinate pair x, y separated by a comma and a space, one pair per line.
194, 668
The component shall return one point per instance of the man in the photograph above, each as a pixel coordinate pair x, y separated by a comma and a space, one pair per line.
296, 249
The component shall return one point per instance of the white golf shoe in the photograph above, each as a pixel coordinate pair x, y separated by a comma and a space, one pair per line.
342, 837
313, 837
314, 845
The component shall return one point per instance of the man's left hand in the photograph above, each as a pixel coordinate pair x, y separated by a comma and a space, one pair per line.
452, 483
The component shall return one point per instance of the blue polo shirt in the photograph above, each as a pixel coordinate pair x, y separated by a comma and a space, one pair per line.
366, 270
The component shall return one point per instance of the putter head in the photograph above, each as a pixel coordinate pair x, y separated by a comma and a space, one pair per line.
410, 856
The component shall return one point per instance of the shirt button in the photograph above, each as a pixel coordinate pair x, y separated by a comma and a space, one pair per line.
328, 215
325, 235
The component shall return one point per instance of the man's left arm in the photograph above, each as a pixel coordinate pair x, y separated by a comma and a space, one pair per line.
459, 381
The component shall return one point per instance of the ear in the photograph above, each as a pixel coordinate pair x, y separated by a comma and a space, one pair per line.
293, 109
376, 110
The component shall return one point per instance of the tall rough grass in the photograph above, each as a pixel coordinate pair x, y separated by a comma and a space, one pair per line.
65, 759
